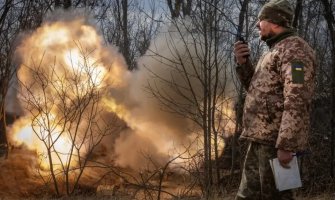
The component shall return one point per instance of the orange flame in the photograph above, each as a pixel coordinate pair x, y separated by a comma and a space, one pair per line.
61, 58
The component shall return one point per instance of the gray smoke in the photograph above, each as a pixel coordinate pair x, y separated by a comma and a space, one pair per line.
159, 102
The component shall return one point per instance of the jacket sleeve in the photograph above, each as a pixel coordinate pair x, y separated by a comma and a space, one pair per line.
245, 73
297, 70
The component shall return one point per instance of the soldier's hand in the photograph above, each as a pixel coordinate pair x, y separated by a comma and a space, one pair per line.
241, 51
284, 157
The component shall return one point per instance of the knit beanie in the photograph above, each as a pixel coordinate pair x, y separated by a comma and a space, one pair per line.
278, 12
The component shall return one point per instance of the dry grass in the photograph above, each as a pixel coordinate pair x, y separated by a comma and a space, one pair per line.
230, 196
326, 196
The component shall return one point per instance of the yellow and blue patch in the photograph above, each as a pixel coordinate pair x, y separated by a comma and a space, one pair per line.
297, 72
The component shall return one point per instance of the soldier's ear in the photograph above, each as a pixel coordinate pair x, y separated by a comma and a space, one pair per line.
277, 28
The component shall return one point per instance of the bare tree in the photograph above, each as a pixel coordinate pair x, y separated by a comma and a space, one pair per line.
298, 14
198, 80
243, 18
329, 16
16, 16
130, 26
66, 109
179, 7
65, 3
125, 48
6, 70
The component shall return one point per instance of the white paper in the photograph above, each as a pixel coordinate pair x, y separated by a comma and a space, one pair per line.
286, 178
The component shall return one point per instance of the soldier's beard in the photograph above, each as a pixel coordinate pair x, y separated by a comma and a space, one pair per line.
267, 36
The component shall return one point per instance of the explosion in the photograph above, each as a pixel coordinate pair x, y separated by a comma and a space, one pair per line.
77, 95
65, 74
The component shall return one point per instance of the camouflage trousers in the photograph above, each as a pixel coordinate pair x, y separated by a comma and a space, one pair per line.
257, 178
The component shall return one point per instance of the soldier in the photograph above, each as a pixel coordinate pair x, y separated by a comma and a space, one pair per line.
277, 105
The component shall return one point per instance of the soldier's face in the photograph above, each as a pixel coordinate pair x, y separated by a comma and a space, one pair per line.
265, 29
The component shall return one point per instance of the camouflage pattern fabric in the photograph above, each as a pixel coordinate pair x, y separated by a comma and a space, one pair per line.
244, 73
279, 94
257, 177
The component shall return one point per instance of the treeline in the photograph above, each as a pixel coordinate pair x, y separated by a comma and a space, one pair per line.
209, 29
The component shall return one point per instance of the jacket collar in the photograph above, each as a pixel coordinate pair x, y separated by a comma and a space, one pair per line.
277, 38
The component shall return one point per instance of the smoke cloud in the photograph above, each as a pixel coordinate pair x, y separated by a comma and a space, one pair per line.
152, 129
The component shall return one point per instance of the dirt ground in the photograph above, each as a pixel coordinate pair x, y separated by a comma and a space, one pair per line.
18, 182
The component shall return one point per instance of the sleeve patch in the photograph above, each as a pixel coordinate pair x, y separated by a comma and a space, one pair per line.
297, 72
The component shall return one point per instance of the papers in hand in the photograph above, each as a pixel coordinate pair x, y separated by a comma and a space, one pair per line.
286, 178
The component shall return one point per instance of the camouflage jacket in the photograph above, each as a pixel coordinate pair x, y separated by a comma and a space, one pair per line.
279, 93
